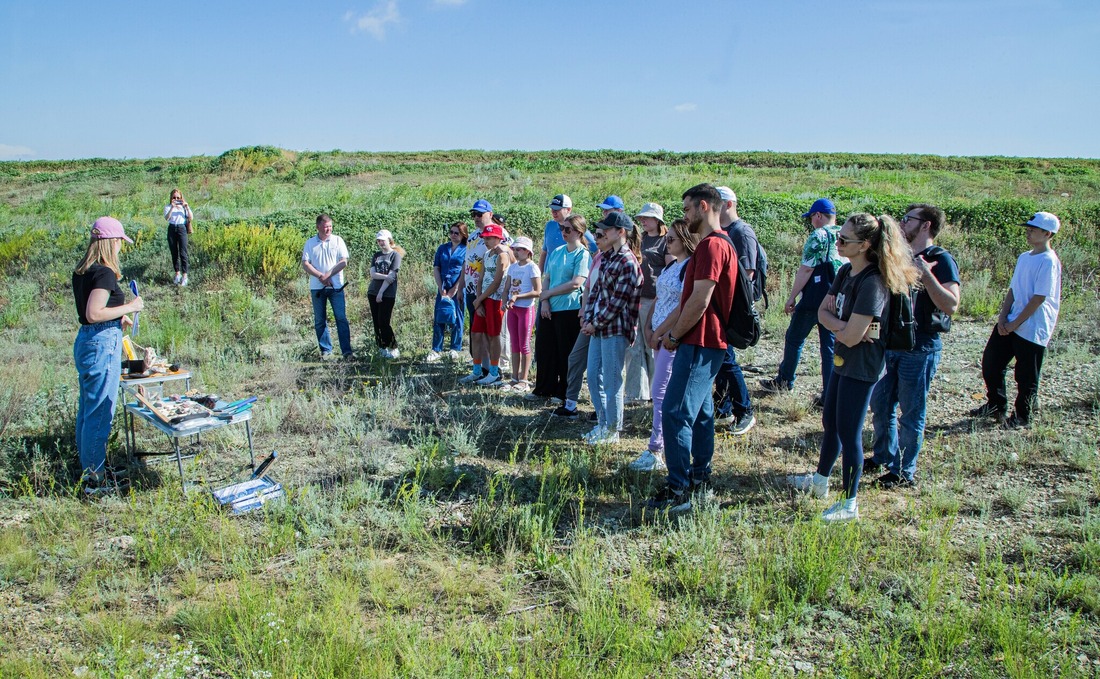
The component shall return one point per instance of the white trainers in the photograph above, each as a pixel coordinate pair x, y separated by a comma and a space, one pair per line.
489, 380
595, 432
395, 353
183, 283
471, 378
605, 437
841, 512
433, 357
648, 462
454, 355
179, 277
810, 483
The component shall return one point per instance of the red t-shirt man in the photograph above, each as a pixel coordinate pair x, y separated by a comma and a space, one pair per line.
715, 260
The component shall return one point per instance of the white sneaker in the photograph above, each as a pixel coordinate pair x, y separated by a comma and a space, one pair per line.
807, 483
434, 357
179, 277
183, 283
839, 512
395, 353
454, 355
489, 380
648, 462
384, 353
471, 378
594, 433
605, 438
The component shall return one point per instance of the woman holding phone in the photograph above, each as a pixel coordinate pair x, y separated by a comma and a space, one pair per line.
178, 214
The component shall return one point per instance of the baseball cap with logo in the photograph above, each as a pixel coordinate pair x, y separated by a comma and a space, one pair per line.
481, 205
492, 231
652, 210
109, 227
560, 202
1045, 221
611, 203
822, 205
384, 234
727, 193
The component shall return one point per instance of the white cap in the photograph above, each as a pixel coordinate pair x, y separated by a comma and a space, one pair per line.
727, 193
652, 210
1045, 221
383, 235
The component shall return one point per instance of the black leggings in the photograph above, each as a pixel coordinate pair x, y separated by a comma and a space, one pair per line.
381, 313
177, 245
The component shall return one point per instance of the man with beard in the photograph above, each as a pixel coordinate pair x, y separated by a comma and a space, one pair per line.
698, 336
909, 373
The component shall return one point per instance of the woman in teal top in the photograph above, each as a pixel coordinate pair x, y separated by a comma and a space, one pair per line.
559, 305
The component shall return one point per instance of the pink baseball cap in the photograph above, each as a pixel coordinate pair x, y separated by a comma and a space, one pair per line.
109, 227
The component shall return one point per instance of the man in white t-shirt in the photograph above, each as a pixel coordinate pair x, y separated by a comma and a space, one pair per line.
324, 258
1024, 326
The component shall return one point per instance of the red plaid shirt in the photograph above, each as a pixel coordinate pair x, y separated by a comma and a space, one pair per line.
612, 307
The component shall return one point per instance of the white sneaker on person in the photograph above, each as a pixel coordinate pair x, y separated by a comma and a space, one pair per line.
179, 277
489, 380
841, 511
384, 353
471, 378
433, 357
454, 355
395, 353
593, 433
183, 283
817, 486
605, 437
648, 462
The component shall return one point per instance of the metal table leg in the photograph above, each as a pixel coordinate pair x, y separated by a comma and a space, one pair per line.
179, 463
251, 453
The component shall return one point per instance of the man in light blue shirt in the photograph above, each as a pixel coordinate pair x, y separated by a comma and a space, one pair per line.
560, 208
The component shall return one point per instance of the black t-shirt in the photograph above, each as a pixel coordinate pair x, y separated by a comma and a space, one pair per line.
384, 264
653, 263
865, 294
97, 276
946, 271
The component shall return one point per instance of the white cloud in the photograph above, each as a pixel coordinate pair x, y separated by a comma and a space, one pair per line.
376, 20
686, 107
14, 152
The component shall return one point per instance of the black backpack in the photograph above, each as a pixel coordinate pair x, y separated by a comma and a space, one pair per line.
742, 327
760, 283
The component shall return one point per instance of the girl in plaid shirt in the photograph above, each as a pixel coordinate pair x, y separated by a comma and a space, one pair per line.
611, 319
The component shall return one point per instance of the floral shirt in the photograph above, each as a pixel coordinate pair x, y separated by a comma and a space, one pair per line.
820, 247
669, 288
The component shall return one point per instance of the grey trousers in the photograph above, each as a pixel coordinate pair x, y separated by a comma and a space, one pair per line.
578, 363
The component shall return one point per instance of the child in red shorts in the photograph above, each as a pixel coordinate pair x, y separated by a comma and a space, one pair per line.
488, 307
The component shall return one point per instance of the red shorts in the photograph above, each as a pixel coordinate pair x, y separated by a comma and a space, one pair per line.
490, 323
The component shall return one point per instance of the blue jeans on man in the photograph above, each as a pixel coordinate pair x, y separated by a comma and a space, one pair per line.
730, 388
803, 320
687, 415
97, 353
909, 375
439, 331
335, 298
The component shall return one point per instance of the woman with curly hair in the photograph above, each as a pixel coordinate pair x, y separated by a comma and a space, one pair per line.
858, 304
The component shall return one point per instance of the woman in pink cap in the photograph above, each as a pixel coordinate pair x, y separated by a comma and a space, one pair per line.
102, 310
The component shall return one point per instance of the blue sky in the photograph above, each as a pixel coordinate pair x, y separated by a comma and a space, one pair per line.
964, 77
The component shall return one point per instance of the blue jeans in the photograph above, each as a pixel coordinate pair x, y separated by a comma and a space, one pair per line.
606, 358
908, 377
320, 322
845, 410
97, 353
802, 322
687, 414
730, 388
439, 331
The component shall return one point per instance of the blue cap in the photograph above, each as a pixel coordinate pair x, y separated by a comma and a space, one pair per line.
616, 220
481, 205
822, 205
611, 203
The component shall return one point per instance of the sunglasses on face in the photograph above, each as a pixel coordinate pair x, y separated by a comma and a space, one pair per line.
844, 240
456, 233
568, 229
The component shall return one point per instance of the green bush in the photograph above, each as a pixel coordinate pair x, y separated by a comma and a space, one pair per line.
268, 254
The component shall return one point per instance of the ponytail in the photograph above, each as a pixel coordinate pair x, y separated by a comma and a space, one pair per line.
888, 250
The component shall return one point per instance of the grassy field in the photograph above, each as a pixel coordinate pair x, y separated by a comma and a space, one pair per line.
433, 531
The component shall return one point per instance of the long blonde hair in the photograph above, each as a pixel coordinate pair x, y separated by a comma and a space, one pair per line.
100, 251
888, 249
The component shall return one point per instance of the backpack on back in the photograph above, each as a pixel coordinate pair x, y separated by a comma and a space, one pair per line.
760, 283
742, 326
899, 332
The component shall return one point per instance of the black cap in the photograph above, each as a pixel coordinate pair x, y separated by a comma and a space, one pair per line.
616, 220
